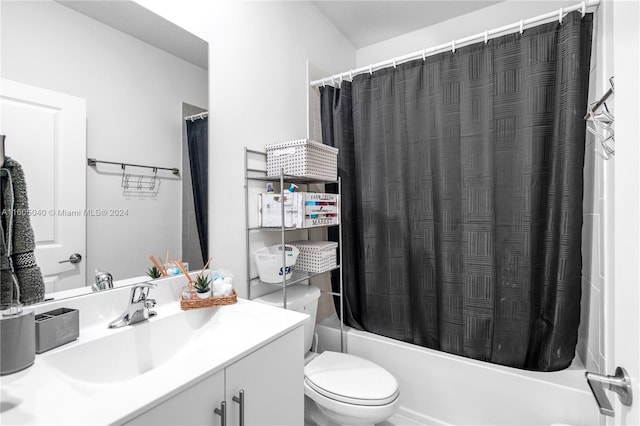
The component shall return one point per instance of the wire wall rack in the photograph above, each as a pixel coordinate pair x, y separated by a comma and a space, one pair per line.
140, 185
137, 184
600, 123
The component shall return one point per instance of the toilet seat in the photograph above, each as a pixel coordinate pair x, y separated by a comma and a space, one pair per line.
350, 379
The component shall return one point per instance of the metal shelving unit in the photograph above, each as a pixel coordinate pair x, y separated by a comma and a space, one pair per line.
260, 175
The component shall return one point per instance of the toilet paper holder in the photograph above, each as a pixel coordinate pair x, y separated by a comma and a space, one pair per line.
620, 384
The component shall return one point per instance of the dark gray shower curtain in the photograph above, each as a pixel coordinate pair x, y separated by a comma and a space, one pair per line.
462, 196
198, 145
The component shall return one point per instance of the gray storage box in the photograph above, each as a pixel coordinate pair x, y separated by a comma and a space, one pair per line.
55, 328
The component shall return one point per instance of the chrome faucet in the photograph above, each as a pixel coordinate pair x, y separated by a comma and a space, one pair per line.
104, 281
139, 306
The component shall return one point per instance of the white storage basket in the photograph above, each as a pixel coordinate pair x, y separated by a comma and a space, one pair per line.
269, 262
304, 158
316, 256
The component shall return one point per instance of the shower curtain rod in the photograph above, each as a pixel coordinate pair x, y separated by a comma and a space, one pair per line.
452, 45
199, 116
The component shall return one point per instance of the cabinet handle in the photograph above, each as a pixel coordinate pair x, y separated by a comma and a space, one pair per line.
222, 412
240, 400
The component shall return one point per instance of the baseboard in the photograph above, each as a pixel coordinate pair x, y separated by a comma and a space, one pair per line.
420, 417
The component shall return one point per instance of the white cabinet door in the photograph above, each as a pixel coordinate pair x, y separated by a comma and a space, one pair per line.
273, 382
193, 406
271, 378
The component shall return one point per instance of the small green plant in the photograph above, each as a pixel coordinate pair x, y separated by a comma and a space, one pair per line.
202, 284
154, 272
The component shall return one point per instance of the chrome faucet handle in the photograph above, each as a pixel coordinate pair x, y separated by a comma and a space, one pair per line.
139, 296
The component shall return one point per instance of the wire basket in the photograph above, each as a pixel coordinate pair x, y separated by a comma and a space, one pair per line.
316, 256
303, 158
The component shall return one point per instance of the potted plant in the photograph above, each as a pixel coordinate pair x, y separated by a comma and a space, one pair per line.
202, 284
154, 273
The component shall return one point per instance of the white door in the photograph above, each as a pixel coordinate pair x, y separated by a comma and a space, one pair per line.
625, 293
46, 133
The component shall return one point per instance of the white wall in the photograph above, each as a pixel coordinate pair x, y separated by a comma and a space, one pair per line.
257, 52
597, 246
491, 17
134, 96
623, 319
258, 93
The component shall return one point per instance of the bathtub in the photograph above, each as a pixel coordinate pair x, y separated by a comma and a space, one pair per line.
437, 388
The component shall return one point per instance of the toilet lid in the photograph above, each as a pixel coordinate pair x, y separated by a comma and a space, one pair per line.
350, 379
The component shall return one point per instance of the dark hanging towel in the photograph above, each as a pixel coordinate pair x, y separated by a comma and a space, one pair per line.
17, 241
462, 196
198, 144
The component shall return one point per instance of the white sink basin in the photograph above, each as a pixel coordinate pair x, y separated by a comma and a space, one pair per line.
125, 353
109, 376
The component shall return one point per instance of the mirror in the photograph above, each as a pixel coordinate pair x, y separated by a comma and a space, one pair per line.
137, 76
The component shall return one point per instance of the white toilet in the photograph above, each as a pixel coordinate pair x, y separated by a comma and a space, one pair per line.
339, 388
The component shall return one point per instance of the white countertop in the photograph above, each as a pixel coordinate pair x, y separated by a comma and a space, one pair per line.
42, 395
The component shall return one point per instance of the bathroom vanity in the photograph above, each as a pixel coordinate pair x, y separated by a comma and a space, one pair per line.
177, 368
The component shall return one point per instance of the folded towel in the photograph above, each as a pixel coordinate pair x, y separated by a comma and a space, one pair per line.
18, 241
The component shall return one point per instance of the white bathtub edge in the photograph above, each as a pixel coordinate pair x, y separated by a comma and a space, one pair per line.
492, 394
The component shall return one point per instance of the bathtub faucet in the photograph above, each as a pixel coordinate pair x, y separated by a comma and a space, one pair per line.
138, 308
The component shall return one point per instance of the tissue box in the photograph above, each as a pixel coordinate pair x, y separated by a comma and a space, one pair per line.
55, 328
301, 209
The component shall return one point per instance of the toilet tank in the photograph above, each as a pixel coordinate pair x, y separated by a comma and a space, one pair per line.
300, 298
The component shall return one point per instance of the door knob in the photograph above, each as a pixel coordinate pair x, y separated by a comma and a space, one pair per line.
74, 258
620, 384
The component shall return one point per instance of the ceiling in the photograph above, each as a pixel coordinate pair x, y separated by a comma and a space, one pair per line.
365, 22
137, 21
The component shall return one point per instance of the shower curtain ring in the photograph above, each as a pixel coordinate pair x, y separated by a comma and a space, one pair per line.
333, 80
453, 46
521, 26
394, 62
584, 8
560, 13
351, 75
424, 55
486, 36
370, 69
